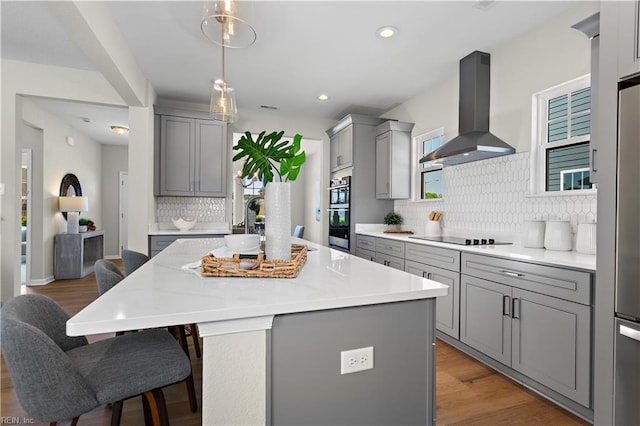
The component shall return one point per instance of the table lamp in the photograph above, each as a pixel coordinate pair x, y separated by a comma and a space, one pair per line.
73, 206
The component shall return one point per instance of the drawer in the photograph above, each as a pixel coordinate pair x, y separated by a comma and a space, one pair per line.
365, 242
160, 242
392, 261
553, 281
390, 247
433, 256
366, 254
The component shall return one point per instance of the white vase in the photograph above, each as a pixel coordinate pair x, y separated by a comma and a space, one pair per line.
277, 199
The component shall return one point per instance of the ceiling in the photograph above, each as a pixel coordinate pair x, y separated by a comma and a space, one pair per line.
303, 49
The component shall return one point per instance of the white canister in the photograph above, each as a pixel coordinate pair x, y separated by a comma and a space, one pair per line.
432, 228
533, 236
586, 238
557, 235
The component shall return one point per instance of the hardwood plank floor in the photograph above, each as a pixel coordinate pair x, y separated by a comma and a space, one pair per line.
468, 392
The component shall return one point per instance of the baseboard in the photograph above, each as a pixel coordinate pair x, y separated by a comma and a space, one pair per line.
42, 281
111, 257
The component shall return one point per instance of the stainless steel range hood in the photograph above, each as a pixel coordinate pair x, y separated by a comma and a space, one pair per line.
474, 142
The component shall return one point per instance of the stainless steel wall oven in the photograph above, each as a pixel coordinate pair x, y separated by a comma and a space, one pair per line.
339, 221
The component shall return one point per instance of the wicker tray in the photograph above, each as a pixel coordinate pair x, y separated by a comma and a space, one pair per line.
264, 268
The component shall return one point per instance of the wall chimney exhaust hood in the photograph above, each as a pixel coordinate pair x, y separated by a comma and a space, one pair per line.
474, 142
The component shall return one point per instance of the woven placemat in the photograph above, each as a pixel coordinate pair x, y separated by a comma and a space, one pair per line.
255, 268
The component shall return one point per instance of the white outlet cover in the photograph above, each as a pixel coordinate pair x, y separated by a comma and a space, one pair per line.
355, 360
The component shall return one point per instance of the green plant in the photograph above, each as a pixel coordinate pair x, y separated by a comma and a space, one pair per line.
259, 218
24, 221
392, 218
83, 221
268, 155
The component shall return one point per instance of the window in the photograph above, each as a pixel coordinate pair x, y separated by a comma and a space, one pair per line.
560, 148
428, 176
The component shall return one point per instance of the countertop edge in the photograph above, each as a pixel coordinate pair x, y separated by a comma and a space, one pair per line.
565, 259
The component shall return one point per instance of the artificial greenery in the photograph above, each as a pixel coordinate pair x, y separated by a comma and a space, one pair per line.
24, 221
83, 221
268, 156
392, 218
259, 218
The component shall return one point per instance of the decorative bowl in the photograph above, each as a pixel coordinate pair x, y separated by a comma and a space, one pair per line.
184, 224
239, 243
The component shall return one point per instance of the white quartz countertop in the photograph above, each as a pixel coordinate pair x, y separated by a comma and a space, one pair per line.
205, 228
568, 259
161, 293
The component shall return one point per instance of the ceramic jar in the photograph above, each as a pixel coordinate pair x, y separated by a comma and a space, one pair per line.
586, 238
557, 235
433, 228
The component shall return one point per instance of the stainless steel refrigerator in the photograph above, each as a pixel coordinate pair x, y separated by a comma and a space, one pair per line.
627, 298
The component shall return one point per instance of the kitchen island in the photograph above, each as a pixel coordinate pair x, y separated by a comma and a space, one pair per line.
272, 347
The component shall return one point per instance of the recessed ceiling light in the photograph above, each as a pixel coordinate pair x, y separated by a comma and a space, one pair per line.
386, 32
323, 97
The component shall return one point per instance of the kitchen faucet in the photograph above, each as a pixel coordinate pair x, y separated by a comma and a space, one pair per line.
246, 210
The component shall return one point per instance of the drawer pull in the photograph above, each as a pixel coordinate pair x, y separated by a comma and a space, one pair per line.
515, 302
506, 305
512, 274
425, 274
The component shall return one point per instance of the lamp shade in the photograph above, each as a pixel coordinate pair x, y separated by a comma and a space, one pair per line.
73, 204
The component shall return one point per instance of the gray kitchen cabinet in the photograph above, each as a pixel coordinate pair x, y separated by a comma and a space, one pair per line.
388, 260
393, 160
484, 321
548, 339
341, 149
192, 157
157, 243
441, 265
447, 307
628, 38
381, 250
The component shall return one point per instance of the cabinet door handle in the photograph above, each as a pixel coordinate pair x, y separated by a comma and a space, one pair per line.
630, 332
512, 274
372, 259
506, 305
594, 167
515, 303
429, 275
425, 274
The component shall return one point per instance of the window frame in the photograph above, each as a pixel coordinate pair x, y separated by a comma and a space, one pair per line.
417, 169
539, 135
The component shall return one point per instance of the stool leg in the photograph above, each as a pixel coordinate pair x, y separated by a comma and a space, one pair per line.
116, 413
155, 408
196, 340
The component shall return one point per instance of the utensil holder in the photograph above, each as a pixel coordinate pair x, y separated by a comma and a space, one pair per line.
433, 228
557, 235
534, 231
586, 238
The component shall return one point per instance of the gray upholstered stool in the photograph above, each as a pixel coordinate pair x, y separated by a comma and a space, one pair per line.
57, 377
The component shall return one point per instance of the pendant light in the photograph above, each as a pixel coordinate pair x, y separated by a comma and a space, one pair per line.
223, 14
223, 99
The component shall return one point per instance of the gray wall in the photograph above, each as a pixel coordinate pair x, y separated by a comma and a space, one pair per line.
114, 161
308, 389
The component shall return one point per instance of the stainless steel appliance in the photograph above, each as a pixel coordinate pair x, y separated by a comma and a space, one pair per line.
462, 240
339, 220
627, 286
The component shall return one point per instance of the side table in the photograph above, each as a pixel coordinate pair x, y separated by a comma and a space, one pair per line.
75, 254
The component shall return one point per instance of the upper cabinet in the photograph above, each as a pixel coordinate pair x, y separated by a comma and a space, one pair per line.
628, 38
393, 160
341, 148
191, 156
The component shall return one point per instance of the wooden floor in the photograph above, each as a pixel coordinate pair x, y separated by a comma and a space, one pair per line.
467, 391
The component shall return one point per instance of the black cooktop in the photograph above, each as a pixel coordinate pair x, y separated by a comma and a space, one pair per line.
462, 241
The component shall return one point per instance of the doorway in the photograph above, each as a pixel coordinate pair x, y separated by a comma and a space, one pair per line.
25, 215
123, 213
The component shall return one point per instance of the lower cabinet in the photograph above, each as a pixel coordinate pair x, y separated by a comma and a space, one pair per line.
545, 338
447, 307
157, 243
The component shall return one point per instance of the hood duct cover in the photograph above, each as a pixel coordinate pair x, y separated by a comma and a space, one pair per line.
474, 142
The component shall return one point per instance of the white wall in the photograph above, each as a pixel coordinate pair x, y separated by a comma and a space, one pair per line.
114, 161
22, 78
518, 70
83, 159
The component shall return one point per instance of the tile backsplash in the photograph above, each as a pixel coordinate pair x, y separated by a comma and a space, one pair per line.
492, 196
200, 208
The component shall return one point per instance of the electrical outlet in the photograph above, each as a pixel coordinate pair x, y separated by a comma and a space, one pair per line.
356, 360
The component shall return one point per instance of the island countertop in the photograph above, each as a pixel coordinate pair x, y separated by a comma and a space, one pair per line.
162, 293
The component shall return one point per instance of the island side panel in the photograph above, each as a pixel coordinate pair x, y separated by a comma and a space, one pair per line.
308, 389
